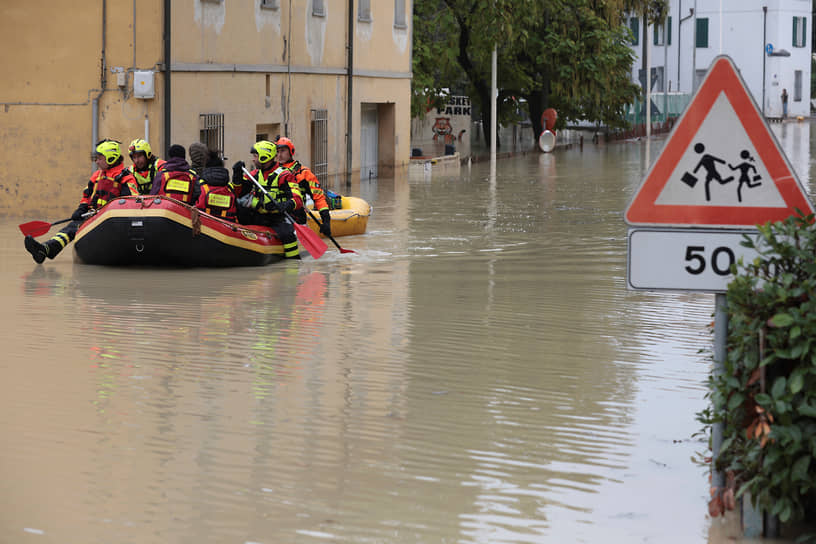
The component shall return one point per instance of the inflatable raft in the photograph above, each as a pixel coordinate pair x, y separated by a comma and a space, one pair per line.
352, 218
161, 231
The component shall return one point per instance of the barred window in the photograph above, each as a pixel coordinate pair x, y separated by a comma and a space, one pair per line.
211, 131
270, 4
320, 144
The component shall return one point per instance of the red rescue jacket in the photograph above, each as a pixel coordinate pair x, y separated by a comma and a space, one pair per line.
180, 185
105, 185
219, 201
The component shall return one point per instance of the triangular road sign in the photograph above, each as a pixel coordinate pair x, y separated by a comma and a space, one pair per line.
721, 166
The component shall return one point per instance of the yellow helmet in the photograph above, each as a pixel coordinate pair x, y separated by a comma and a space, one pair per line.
110, 150
140, 146
265, 150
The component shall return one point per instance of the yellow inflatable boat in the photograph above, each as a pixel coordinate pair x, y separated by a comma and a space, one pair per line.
352, 218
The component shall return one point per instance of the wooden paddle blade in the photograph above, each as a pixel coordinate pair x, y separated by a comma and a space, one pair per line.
310, 241
35, 228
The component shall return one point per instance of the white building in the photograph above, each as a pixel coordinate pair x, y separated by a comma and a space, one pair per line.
768, 42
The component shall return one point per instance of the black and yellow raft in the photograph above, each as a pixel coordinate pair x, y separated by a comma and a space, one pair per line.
161, 231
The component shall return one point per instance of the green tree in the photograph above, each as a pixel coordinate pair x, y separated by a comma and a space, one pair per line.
572, 55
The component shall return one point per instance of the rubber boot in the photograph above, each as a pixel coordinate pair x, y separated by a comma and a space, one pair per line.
37, 250
53, 246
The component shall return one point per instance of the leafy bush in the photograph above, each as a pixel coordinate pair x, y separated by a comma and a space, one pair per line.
766, 397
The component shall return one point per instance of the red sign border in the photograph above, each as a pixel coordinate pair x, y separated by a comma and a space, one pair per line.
722, 77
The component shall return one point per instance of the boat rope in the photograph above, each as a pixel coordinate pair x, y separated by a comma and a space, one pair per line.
195, 219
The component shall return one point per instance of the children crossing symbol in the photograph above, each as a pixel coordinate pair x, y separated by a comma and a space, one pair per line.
721, 166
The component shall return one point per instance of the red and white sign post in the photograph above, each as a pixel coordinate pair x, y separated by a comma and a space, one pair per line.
720, 170
720, 174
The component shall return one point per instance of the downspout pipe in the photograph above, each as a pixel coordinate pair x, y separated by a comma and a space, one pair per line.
679, 34
349, 90
694, 53
103, 78
167, 88
764, 56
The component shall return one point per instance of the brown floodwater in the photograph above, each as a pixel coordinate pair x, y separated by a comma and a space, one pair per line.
477, 372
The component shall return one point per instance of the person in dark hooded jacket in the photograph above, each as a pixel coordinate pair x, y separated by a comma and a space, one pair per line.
217, 193
175, 179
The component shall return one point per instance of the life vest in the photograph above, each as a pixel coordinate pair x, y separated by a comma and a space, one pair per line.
178, 185
145, 179
309, 185
106, 187
218, 201
271, 183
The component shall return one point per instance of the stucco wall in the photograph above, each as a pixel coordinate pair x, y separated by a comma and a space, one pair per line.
51, 76
222, 53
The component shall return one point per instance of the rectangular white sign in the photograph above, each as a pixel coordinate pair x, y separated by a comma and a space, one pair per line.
684, 259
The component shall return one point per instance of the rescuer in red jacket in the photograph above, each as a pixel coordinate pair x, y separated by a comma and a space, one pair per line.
217, 193
175, 179
145, 164
256, 208
111, 181
307, 182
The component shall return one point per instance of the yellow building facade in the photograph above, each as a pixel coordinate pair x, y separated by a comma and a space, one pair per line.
332, 75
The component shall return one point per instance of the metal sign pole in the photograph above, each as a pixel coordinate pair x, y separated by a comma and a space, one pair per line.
720, 353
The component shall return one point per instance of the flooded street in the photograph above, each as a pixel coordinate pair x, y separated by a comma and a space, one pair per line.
478, 372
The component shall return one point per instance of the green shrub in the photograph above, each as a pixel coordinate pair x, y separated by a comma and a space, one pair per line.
766, 397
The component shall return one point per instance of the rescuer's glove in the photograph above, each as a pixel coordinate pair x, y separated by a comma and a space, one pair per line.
79, 212
272, 206
238, 173
325, 222
288, 206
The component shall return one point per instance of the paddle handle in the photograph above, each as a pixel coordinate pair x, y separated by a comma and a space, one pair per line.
330, 236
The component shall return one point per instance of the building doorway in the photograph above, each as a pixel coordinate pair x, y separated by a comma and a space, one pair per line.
369, 140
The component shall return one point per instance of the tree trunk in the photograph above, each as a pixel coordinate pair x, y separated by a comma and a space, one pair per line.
537, 103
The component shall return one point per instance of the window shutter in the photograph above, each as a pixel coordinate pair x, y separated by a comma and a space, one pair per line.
803, 41
794, 40
702, 33
668, 34
634, 26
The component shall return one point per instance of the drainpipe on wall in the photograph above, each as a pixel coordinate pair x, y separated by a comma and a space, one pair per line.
103, 79
349, 90
288, 75
694, 53
764, 44
167, 94
680, 33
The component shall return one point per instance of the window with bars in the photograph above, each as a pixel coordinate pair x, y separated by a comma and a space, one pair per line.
399, 13
364, 10
211, 131
270, 4
320, 144
318, 8
799, 31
